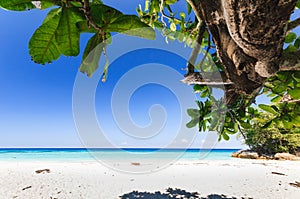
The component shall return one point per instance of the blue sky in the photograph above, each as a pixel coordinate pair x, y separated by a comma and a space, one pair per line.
36, 101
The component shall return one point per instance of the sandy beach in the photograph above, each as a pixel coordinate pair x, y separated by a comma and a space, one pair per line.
236, 178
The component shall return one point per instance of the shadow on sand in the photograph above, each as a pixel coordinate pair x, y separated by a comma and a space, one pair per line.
172, 194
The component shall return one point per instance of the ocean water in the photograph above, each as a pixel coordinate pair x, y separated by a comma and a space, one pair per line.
80, 154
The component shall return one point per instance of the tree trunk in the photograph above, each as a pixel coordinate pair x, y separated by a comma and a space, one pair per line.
249, 36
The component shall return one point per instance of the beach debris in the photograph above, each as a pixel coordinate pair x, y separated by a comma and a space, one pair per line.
42, 171
295, 184
277, 173
26, 188
136, 163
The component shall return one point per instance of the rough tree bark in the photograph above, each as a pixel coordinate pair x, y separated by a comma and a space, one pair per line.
249, 36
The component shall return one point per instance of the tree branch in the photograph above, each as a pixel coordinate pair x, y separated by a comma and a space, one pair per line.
205, 78
194, 8
293, 24
196, 48
87, 13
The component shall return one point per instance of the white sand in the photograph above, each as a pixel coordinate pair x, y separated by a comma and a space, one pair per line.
233, 178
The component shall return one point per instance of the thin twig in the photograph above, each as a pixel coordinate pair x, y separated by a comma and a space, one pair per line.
163, 14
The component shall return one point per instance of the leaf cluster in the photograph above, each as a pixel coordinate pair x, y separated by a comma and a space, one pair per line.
60, 32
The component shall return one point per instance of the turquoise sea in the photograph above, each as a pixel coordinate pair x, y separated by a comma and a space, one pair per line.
81, 154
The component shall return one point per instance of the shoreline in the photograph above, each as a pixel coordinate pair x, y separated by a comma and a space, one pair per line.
233, 178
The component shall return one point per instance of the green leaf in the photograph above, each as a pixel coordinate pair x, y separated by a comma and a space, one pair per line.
200, 104
189, 8
23, 5
251, 110
279, 89
298, 4
42, 45
130, 25
208, 116
170, 2
290, 37
225, 136
268, 124
204, 94
194, 113
102, 14
83, 27
192, 123
173, 27
296, 76
198, 88
17, 5
92, 54
287, 124
203, 125
147, 3
295, 94
276, 99
229, 131
154, 6
44, 4
275, 108
290, 48
268, 109
52, 14
67, 35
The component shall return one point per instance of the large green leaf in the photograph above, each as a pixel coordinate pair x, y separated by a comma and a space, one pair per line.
92, 54
130, 25
295, 94
17, 5
290, 37
276, 99
268, 109
52, 14
83, 27
225, 136
23, 5
194, 113
42, 45
45, 4
102, 14
67, 35
192, 123
48, 4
